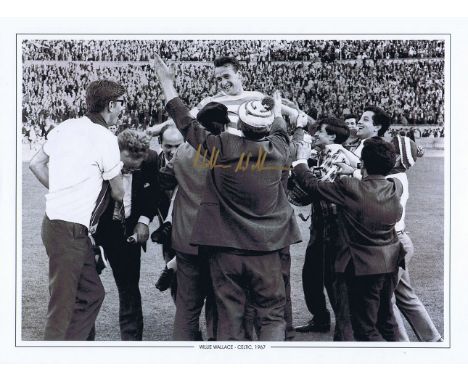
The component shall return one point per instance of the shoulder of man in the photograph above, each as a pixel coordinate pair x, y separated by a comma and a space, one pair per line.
61, 130
152, 158
348, 182
398, 184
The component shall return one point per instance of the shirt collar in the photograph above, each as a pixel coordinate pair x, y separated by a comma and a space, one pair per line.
97, 118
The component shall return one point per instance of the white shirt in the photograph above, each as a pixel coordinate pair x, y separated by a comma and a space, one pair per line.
401, 176
358, 150
232, 102
127, 199
81, 155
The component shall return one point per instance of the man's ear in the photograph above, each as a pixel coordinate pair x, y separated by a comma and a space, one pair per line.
110, 104
333, 137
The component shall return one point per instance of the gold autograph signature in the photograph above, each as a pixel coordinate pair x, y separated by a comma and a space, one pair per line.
243, 164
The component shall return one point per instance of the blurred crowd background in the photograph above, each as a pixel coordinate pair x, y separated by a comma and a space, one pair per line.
335, 77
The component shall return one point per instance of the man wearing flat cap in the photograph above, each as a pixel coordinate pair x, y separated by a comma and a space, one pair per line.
244, 219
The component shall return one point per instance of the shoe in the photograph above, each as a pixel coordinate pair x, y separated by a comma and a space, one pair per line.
100, 258
313, 326
165, 280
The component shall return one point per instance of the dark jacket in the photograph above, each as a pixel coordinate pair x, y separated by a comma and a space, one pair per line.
145, 200
367, 212
244, 205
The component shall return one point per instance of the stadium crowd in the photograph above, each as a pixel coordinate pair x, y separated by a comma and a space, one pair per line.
244, 50
411, 91
239, 143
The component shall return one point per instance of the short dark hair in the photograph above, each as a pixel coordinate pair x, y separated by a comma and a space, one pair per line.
378, 156
225, 60
313, 112
337, 127
100, 93
135, 142
380, 118
350, 116
213, 116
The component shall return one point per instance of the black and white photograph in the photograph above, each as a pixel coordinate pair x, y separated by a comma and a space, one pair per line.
249, 190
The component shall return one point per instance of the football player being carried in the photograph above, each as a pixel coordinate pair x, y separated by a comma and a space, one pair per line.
229, 79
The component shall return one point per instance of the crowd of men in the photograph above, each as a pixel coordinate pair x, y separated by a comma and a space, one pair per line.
221, 189
242, 50
411, 91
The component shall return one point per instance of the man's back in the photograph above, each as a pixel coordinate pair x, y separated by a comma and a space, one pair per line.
81, 155
369, 209
245, 205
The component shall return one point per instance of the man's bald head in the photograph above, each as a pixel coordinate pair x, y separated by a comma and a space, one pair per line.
171, 139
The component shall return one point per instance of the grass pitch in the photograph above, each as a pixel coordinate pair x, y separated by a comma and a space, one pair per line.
425, 223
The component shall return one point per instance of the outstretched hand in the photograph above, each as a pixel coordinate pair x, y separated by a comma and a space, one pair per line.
277, 107
165, 77
155, 130
302, 120
344, 169
162, 70
291, 104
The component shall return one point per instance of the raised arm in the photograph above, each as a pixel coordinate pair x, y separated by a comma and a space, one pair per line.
179, 112
278, 128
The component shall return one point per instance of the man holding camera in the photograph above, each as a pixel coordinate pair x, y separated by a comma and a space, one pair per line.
368, 252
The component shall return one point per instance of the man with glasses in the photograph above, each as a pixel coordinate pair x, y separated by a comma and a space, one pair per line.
78, 164
123, 228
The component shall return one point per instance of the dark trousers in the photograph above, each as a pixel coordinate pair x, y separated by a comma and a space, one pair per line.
259, 275
318, 273
193, 288
251, 322
343, 326
370, 303
124, 259
76, 291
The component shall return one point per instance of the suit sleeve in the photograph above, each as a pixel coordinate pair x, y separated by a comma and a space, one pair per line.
190, 127
279, 135
167, 178
297, 137
334, 192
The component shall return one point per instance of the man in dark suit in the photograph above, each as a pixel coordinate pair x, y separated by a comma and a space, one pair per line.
123, 227
368, 256
244, 219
